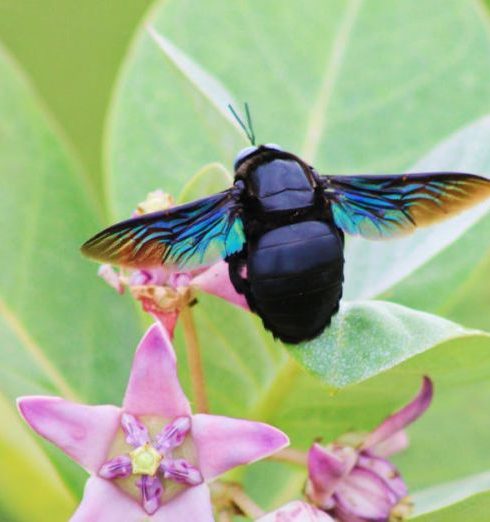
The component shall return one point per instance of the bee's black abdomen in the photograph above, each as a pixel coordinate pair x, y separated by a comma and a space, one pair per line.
295, 273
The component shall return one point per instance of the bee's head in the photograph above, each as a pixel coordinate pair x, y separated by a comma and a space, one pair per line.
248, 152
247, 127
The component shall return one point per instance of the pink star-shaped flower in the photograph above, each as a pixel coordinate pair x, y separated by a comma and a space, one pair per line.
151, 458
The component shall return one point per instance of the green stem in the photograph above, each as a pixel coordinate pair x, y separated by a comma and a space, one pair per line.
292, 456
244, 503
194, 361
225, 516
274, 395
229, 499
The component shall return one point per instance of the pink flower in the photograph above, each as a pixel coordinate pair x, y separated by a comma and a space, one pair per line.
358, 483
296, 511
164, 293
151, 458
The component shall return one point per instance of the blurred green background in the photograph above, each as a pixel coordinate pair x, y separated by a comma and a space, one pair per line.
90, 122
72, 52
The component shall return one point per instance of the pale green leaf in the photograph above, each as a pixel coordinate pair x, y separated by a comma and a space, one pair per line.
209, 180
474, 509
25, 466
443, 495
314, 87
63, 332
369, 337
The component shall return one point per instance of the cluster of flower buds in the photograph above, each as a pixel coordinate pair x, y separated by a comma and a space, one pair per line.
352, 478
164, 293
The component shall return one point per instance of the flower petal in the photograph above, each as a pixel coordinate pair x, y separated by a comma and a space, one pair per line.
151, 491
83, 432
403, 417
154, 387
118, 467
393, 444
223, 443
388, 472
179, 470
326, 468
111, 277
173, 434
149, 276
296, 511
194, 504
136, 432
105, 502
363, 494
216, 281
167, 320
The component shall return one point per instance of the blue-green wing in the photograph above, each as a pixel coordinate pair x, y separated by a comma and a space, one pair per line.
191, 235
379, 207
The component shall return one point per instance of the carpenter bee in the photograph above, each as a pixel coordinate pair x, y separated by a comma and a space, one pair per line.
281, 227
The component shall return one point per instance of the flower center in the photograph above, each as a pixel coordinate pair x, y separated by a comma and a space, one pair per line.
145, 460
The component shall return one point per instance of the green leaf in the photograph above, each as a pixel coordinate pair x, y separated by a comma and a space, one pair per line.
209, 180
373, 267
62, 330
475, 508
367, 338
444, 495
319, 94
25, 466
208, 101
50, 41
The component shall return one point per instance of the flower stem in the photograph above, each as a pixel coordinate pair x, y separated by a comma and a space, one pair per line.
225, 516
194, 361
246, 505
291, 455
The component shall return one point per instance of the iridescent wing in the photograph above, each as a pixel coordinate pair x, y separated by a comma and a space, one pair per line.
191, 235
378, 207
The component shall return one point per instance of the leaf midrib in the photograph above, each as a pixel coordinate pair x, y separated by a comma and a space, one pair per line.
37, 354
318, 118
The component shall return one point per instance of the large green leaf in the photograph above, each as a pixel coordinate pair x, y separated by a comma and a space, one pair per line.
366, 338
62, 332
72, 53
312, 75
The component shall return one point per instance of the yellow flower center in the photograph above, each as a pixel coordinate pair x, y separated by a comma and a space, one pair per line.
145, 460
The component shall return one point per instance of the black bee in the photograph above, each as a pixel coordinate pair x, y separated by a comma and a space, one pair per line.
281, 229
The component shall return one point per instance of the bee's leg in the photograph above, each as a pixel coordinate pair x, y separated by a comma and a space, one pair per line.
236, 269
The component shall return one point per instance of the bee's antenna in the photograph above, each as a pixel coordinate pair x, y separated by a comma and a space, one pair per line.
248, 129
250, 126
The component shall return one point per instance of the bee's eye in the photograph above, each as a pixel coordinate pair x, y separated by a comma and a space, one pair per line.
274, 146
244, 153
